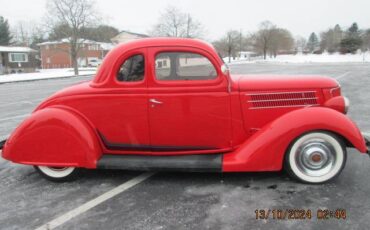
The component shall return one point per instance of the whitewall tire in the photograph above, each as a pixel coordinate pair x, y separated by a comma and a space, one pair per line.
316, 157
58, 174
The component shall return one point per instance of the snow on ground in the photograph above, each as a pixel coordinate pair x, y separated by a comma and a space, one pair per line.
45, 74
299, 58
308, 58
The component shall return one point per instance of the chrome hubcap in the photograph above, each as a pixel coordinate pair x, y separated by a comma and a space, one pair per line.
315, 157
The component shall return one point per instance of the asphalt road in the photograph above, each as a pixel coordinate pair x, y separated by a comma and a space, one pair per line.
185, 200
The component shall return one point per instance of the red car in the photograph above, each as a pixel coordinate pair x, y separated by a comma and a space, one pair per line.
171, 104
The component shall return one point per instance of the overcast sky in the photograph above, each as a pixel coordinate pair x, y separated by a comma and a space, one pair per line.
300, 17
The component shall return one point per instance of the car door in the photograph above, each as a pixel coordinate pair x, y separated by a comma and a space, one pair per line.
189, 104
121, 110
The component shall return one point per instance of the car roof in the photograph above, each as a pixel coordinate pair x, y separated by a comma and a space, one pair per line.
165, 41
117, 51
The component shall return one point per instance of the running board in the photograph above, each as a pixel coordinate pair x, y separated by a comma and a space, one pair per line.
195, 163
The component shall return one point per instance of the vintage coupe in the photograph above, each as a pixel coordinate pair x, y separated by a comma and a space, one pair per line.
171, 104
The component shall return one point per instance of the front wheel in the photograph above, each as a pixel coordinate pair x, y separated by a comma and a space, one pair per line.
58, 174
316, 157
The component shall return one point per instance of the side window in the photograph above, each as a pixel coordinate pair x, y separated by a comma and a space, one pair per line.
172, 66
132, 70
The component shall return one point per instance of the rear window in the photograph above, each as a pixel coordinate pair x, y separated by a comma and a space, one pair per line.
132, 69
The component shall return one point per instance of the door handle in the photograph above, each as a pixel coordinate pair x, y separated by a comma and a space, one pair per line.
155, 101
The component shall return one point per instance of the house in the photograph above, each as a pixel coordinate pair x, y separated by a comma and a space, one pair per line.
125, 36
247, 55
56, 54
18, 60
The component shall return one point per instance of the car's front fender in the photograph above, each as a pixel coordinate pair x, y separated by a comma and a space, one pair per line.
264, 151
54, 136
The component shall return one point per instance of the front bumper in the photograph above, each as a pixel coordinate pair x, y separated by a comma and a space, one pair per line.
367, 140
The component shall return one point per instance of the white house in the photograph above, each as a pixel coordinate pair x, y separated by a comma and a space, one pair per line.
125, 36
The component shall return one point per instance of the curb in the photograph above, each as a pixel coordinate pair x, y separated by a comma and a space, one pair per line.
49, 78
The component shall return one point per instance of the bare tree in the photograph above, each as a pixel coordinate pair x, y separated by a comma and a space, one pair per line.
366, 40
28, 33
74, 15
300, 44
262, 39
175, 23
281, 40
194, 28
269, 39
37, 36
229, 44
21, 33
330, 39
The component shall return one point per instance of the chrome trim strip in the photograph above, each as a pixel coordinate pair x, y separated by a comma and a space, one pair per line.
292, 99
285, 106
254, 94
155, 101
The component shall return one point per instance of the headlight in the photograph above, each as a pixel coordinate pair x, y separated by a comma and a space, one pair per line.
341, 104
335, 92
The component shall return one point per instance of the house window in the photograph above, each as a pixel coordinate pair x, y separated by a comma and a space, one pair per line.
93, 47
18, 57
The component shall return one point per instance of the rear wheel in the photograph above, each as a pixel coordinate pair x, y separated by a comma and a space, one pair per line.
58, 174
316, 157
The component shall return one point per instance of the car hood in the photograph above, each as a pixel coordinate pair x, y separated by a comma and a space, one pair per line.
270, 82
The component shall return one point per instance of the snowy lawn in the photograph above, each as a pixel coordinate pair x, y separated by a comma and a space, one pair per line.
308, 58
45, 74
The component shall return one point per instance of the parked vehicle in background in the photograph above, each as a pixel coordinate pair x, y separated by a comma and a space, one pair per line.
171, 104
94, 63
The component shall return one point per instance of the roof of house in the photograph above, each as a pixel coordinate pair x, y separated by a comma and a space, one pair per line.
106, 46
137, 34
103, 45
66, 40
16, 49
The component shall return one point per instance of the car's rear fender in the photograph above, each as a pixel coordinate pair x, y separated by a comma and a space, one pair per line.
265, 150
54, 136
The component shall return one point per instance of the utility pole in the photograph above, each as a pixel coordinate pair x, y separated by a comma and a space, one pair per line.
188, 26
240, 44
229, 46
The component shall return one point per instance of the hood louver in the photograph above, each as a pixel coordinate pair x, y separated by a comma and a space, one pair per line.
282, 99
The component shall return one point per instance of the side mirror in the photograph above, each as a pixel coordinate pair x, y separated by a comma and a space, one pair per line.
225, 69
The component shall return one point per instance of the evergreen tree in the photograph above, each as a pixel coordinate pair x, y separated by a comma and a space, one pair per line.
5, 36
353, 30
353, 41
313, 42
